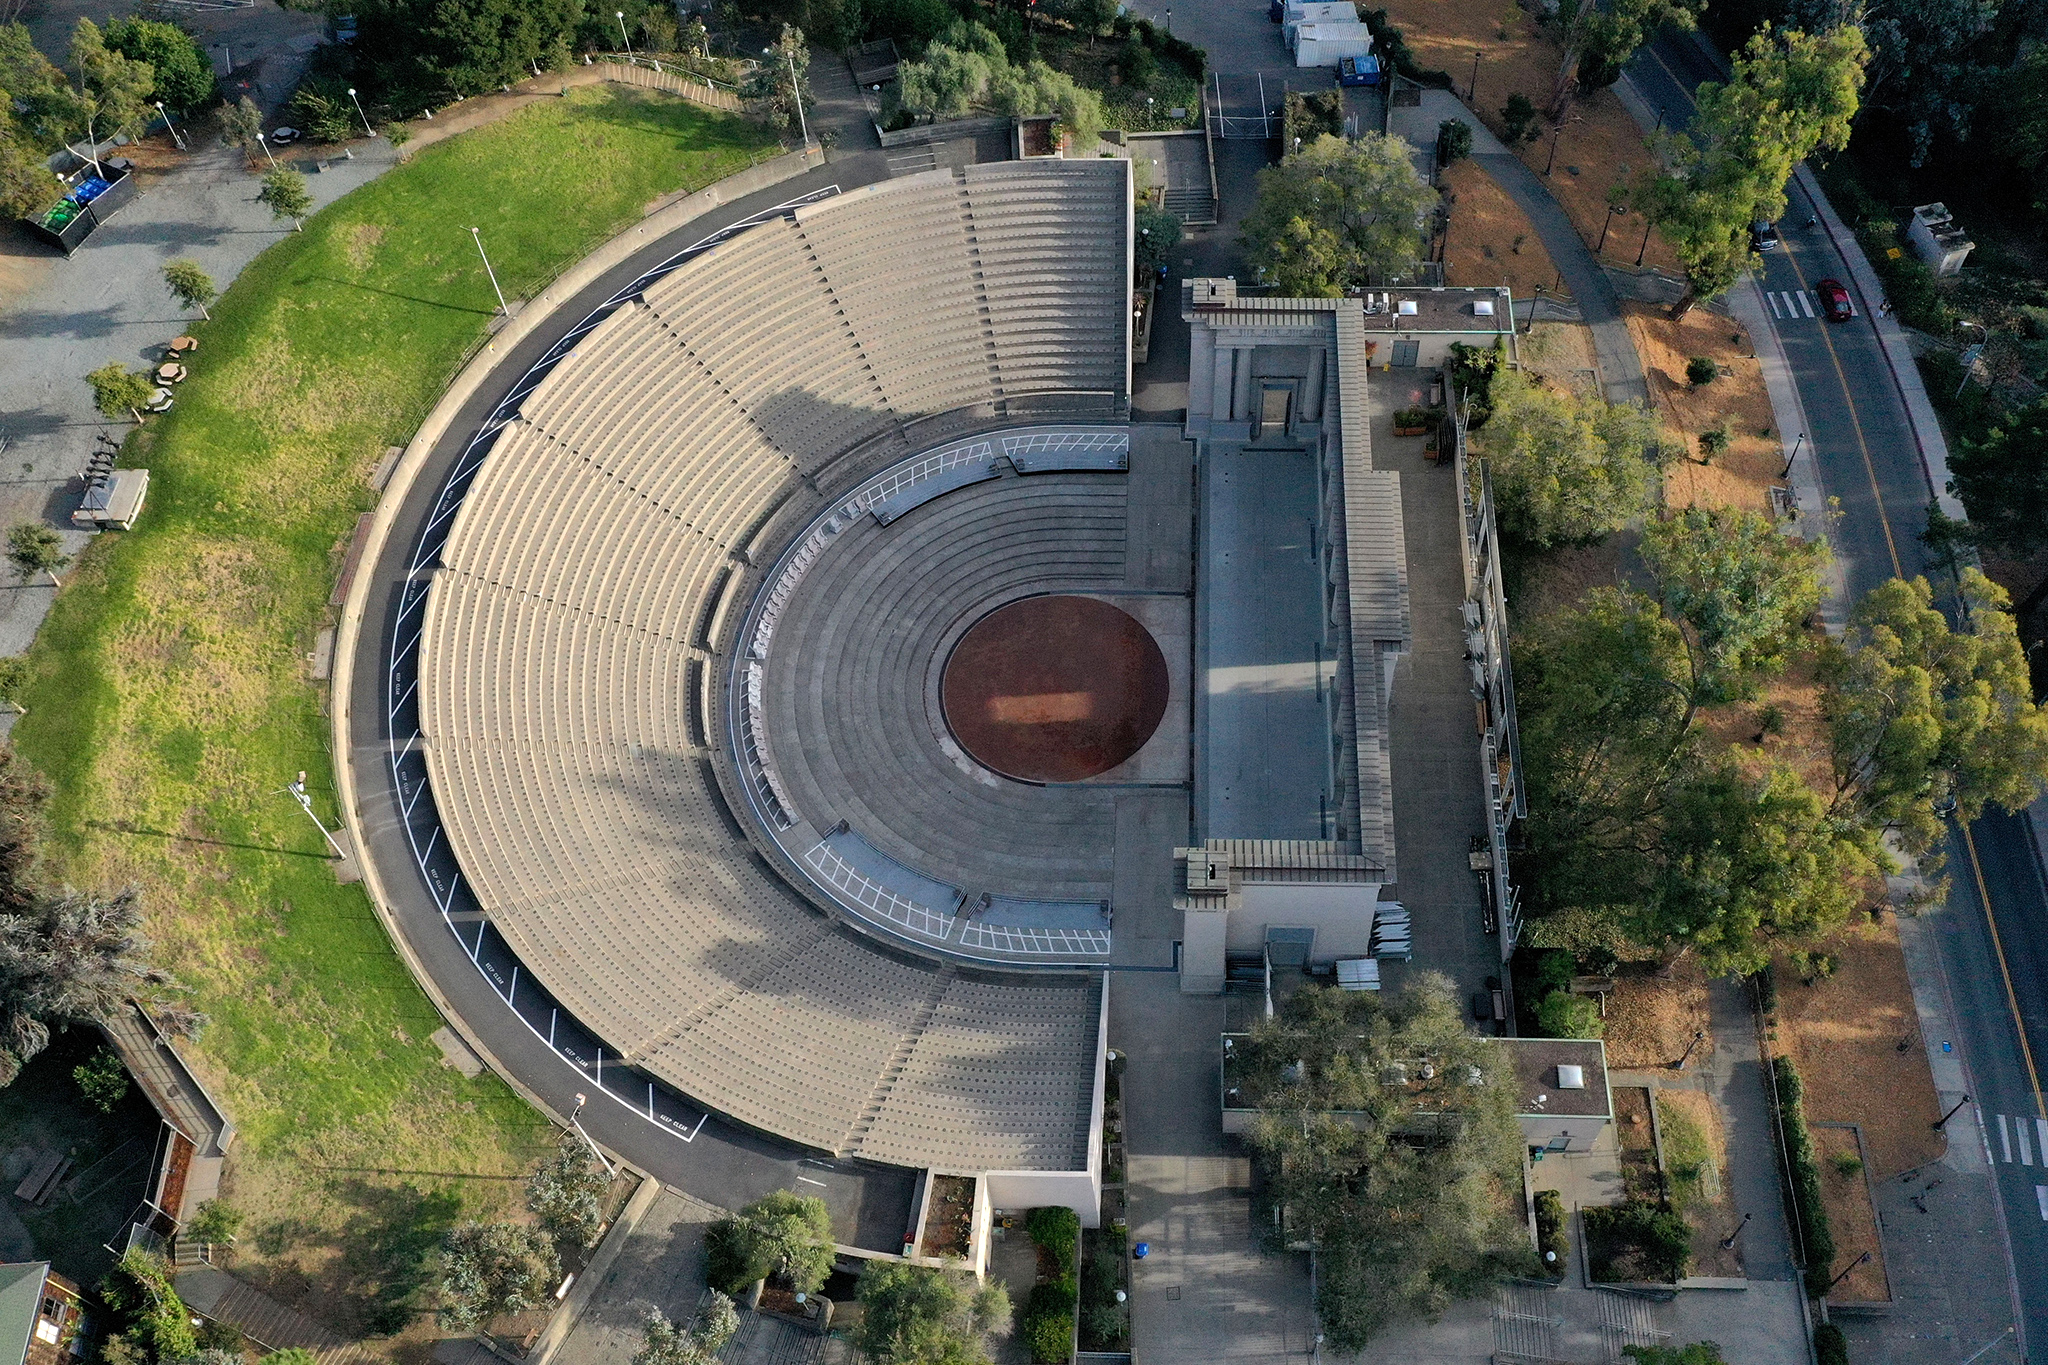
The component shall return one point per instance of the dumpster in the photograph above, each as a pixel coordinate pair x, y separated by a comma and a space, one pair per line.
96, 198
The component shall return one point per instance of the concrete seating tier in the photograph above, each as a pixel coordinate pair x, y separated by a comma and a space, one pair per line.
570, 609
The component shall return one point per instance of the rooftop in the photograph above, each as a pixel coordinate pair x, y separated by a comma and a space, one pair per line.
1546, 1091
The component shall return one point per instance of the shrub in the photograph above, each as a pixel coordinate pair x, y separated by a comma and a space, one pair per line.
1564, 1015
1637, 1239
214, 1221
103, 1080
1057, 1232
1453, 140
1830, 1346
1518, 119
1048, 1327
1847, 1165
1818, 1238
1553, 1233
566, 1192
1701, 369
1714, 442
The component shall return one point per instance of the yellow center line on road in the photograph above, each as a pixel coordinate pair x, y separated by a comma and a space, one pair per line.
1884, 522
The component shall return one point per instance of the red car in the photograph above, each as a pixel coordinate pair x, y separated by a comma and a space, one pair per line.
1834, 300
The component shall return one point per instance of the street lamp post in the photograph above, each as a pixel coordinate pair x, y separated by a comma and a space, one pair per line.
298, 793
171, 127
1612, 213
368, 131
477, 237
1728, 1242
1555, 133
1647, 225
1786, 472
1698, 1036
1472, 90
796, 95
622, 33
582, 1100
263, 140
1942, 1122
1845, 1271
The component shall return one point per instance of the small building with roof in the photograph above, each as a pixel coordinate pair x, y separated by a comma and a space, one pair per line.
1564, 1101
41, 1312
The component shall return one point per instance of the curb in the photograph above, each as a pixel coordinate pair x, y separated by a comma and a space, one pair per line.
480, 366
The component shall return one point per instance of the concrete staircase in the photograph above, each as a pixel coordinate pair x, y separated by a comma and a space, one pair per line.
262, 1319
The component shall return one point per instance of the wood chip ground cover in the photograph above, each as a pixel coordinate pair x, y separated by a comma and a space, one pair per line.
168, 702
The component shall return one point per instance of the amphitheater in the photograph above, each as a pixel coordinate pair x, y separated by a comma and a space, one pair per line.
794, 684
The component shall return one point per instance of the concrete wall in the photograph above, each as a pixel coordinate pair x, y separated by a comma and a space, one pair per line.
1202, 935
1340, 915
1542, 1129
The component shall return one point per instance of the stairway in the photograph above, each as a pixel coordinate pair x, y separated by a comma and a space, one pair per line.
262, 1319
886, 1082
1191, 205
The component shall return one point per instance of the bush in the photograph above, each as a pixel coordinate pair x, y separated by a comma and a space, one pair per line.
1553, 1233
1700, 370
1637, 1239
103, 1080
1518, 119
215, 1221
1564, 1015
1048, 1327
1830, 1346
1714, 442
1847, 1165
1804, 1176
1453, 140
566, 1192
1057, 1233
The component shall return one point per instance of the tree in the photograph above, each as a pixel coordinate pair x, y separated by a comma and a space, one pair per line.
1791, 94
1598, 42
487, 1269
783, 79
966, 70
26, 182
566, 1192
147, 1310
215, 1220
1564, 1015
183, 74
696, 40
239, 125
1568, 470
38, 89
1414, 1202
34, 547
117, 389
112, 91
1518, 119
421, 51
668, 1343
1739, 590
1339, 214
1698, 1353
2002, 479
1921, 715
912, 1314
102, 1079
284, 189
788, 1236
1159, 233
1453, 141
190, 286
70, 957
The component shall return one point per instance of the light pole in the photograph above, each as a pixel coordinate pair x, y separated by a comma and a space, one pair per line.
1728, 1242
1556, 133
1845, 1271
1942, 1122
172, 127
264, 142
1786, 472
477, 236
622, 33
298, 793
367, 129
582, 1100
1613, 212
1699, 1036
1472, 90
796, 94
1647, 225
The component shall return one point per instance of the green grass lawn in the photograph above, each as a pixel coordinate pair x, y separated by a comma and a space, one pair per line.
170, 703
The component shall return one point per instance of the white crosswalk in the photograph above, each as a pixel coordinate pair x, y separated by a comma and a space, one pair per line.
1790, 303
2020, 1138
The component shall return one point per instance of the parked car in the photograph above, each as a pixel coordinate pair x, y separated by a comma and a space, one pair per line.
1763, 236
1834, 300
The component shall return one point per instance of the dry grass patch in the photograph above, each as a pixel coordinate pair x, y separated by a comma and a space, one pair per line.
1696, 1161
1845, 1193
1652, 1016
1490, 240
1754, 458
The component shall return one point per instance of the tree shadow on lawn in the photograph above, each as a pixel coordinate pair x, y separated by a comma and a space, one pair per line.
371, 1285
638, 113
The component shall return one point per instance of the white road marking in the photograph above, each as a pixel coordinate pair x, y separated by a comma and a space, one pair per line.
2004, 1138
2041, 1131
2026, 1148
2041, 1198
808, 1181
1772, 299
1806, 303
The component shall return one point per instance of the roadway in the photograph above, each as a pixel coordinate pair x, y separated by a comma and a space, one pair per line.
1994, 939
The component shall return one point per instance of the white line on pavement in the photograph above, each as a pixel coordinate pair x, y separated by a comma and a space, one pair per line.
2041, 1132
2026, 1148
2004, 1138
1772, 299
808, 1181
1806, 303
2041, 1198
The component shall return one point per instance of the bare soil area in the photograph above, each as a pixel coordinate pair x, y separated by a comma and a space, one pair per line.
1740, 475
1651, 1018
1856, 1039
1846, 1196
1489, 239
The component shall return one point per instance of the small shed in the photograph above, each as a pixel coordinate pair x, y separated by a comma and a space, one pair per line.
1937, 240
1326, 42
40, 1313
1563, 1101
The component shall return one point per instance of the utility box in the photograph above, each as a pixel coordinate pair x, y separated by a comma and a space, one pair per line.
1937, 240
97, 197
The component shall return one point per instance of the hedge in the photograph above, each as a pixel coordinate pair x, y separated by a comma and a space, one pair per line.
1553, 1233
1047, 1327
1829, 1345
1804, 1178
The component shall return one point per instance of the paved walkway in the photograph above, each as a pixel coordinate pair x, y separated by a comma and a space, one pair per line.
1621, 369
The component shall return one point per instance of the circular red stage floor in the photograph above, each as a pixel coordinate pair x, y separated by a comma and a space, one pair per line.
1054, 689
